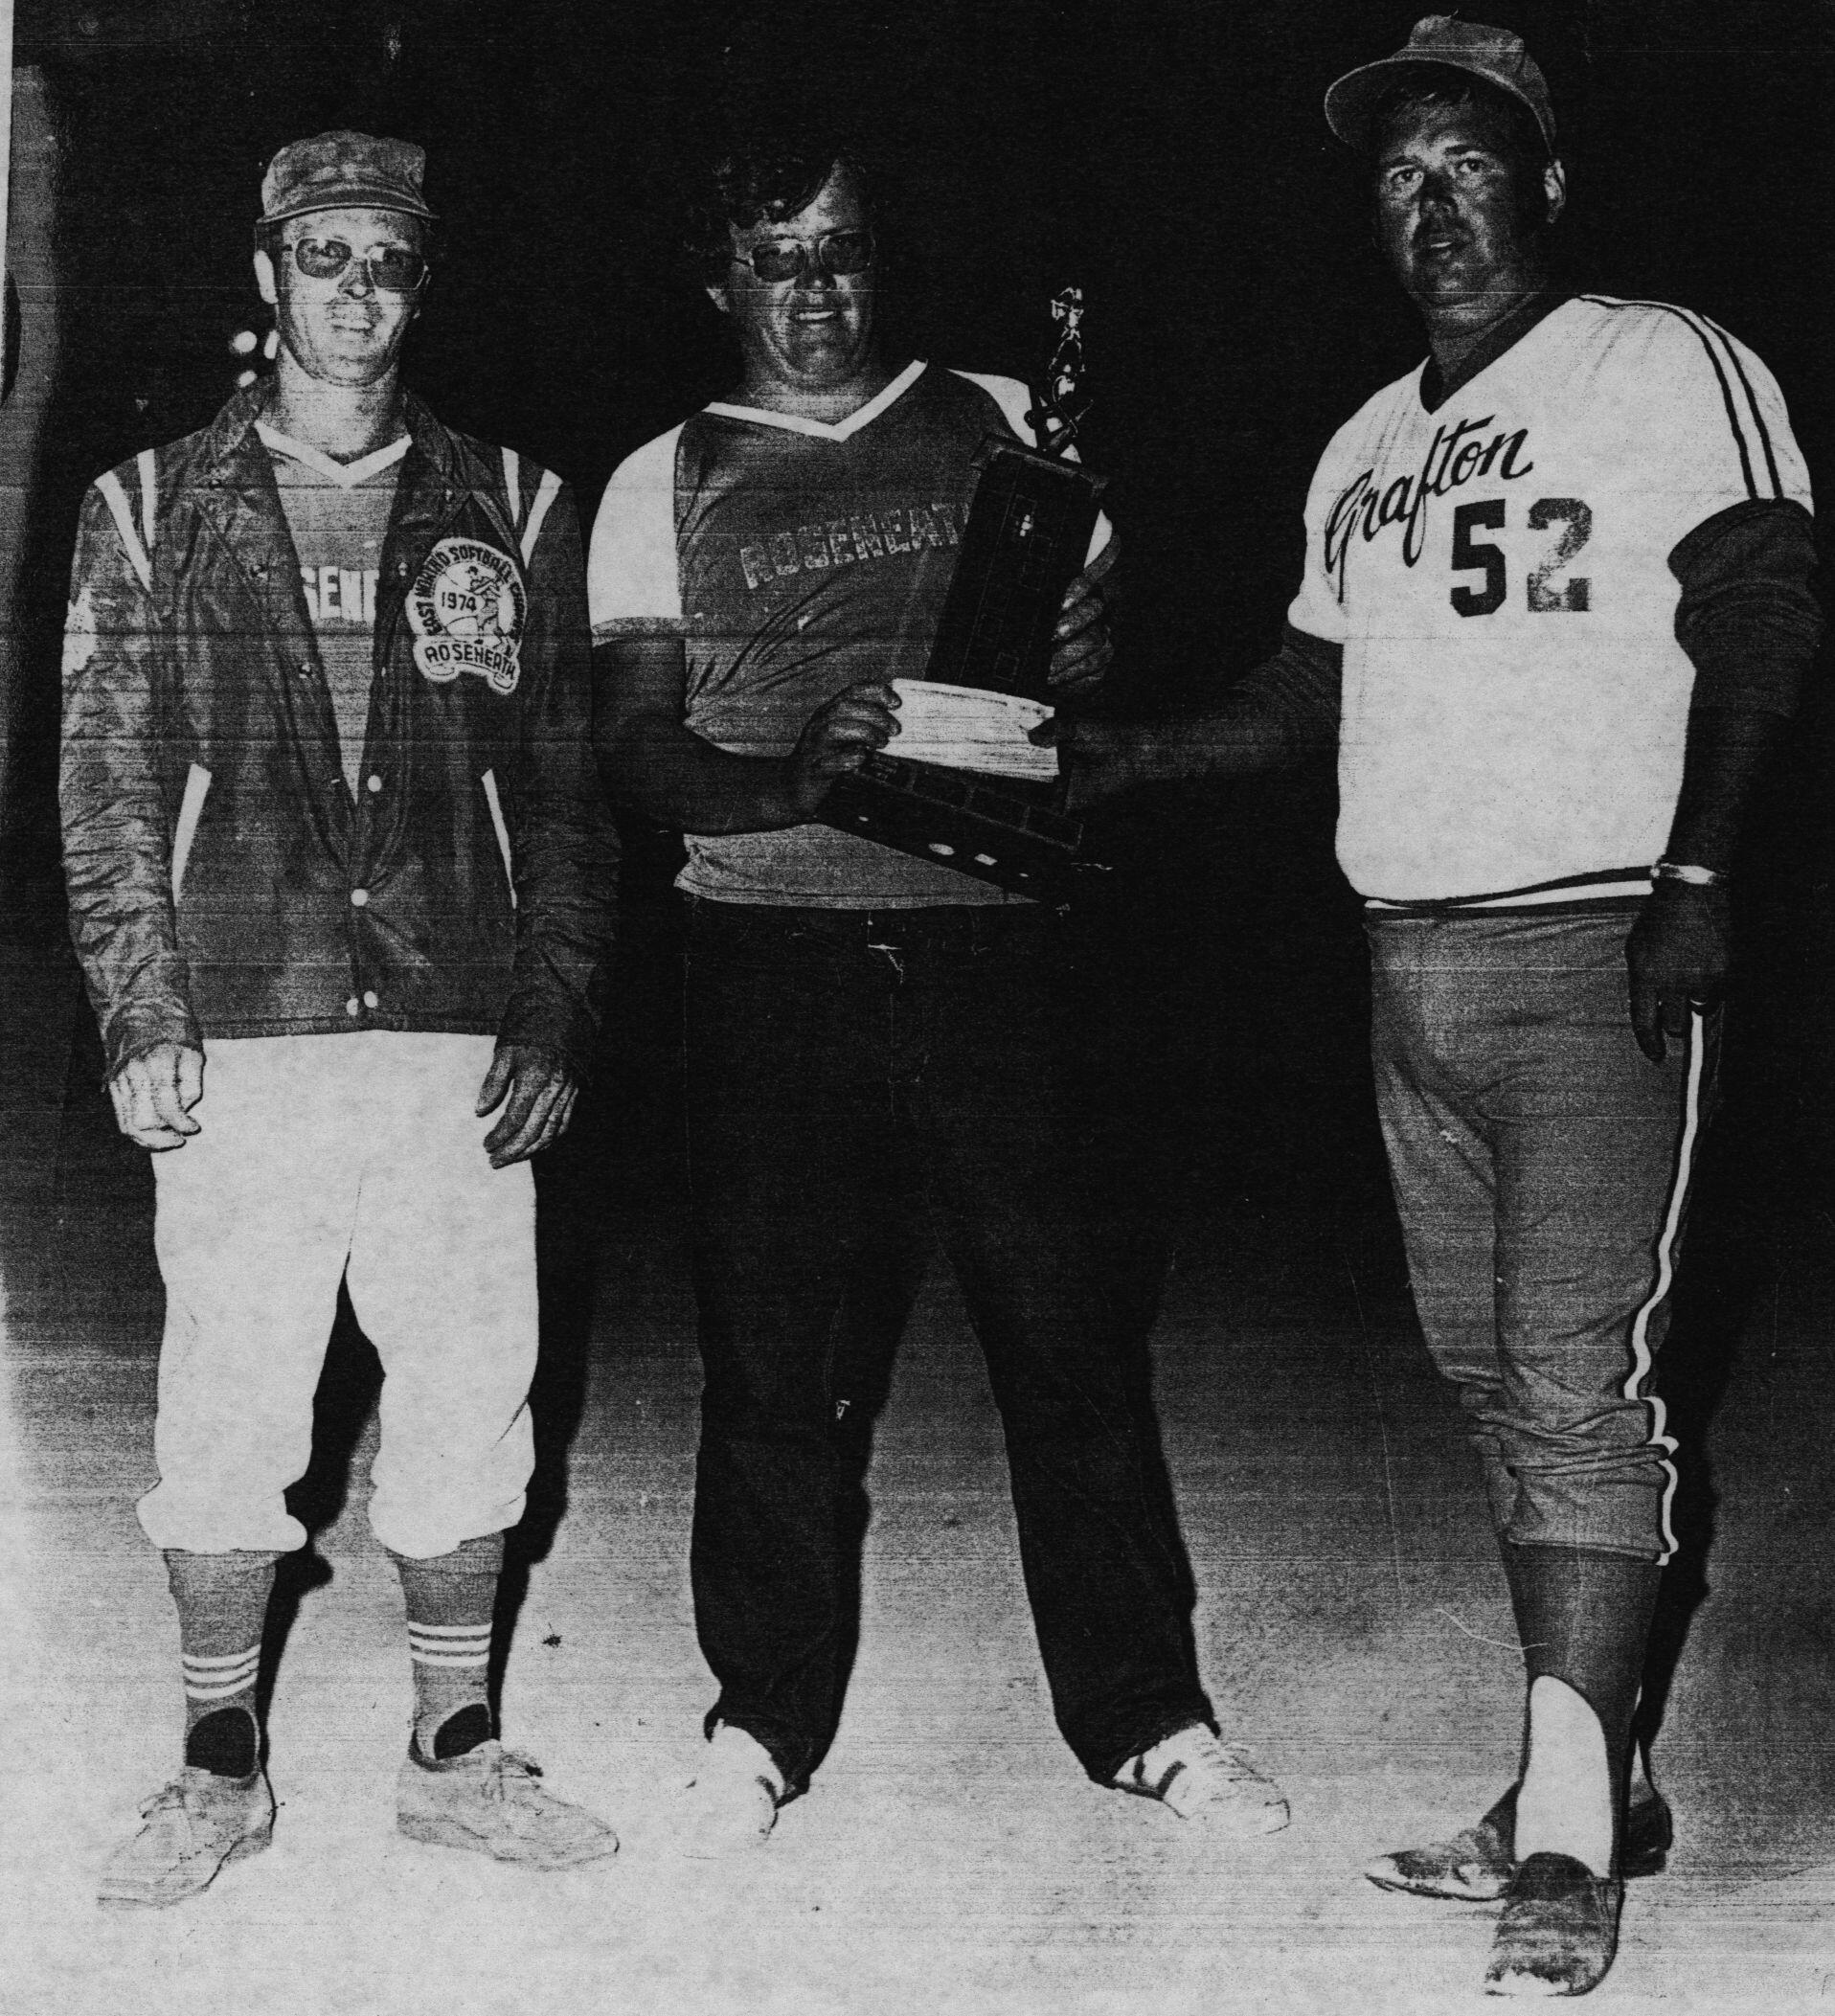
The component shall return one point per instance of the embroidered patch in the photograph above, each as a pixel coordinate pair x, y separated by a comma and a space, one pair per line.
468, 608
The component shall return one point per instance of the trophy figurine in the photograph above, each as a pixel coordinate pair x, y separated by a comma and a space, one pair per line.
991, 805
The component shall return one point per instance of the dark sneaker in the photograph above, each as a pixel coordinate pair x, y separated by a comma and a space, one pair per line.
1558, 1930
1475, 1866
1201, 1778
197, 1823
490, 1799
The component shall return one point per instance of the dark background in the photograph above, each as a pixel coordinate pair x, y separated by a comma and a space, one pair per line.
1168, 156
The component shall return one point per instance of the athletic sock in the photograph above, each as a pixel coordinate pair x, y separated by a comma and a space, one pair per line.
222, 1607
1584, 1617
450, 1601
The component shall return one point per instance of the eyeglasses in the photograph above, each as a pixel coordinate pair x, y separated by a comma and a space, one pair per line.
777, 260
392, 269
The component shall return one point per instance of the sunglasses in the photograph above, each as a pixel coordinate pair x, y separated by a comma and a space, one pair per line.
392, 269
777, 260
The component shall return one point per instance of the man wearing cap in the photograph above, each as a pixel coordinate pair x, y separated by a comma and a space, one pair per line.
1555, 617
339, 882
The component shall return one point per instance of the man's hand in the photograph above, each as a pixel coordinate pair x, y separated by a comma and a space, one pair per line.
540, 1092
837, 739
1080, 645
1678, 956
155, 1094
1100, 758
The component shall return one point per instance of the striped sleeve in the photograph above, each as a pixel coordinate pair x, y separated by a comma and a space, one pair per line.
540, 503
1770, 458
633, 583
1710, 423
135, 517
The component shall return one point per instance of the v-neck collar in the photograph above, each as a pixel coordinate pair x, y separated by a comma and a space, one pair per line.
346, 475
1435, 390
826, 430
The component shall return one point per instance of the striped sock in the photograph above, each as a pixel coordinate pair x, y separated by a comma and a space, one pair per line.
222, 1605
450, 1601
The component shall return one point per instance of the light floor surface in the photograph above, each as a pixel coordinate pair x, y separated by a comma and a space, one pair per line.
951, 1857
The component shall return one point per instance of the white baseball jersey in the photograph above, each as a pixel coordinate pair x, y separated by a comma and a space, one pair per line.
1497, 570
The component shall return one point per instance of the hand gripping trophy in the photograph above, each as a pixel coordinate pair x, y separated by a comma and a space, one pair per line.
983, 800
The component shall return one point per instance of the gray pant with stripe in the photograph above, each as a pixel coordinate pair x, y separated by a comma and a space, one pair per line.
1541, 1165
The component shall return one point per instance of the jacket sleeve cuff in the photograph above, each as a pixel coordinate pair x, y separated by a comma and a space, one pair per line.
133, 1032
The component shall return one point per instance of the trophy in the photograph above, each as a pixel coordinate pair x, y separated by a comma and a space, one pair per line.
994, 808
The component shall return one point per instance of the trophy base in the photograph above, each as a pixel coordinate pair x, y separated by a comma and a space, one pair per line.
1028, 529
996, 830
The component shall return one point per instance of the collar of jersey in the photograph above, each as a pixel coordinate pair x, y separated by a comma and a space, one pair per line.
347, 475
1434, 389
825, 430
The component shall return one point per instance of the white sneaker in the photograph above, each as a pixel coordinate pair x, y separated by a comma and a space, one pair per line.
1201, 1778
489, 1798
198, 1823
731, 1803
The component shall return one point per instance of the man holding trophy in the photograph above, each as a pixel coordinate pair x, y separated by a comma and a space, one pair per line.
767, 582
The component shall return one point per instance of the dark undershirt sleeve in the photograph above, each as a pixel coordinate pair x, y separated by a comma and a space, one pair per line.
1747, 618
1301, 688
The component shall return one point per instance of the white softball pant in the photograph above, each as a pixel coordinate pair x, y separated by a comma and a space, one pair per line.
322, 1158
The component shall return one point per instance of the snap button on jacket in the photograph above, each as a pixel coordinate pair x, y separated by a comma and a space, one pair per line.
222, 881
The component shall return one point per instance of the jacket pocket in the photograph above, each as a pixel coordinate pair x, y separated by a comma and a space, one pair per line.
490, 783
191, 809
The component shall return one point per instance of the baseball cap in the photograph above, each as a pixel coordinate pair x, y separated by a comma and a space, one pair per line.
1442, 42
344, 172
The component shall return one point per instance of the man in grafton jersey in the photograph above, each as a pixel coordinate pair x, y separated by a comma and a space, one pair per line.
757, 578
339, 880
1555, 617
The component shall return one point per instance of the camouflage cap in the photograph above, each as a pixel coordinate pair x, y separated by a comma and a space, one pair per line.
1442, 42
344, 172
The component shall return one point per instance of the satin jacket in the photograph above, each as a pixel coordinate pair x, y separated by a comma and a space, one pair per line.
221, 880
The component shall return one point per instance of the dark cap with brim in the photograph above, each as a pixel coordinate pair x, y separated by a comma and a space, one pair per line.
344, 172
1442, 42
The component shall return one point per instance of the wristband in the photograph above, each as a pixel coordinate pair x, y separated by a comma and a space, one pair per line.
1687, 871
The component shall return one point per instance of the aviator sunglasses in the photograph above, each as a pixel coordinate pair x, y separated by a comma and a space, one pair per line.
777, 260
392, 269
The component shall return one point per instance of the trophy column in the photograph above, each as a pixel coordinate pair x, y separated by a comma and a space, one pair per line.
1028, 529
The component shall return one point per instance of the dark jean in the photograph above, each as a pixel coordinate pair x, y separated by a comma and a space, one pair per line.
1542, 1168
835, 1056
